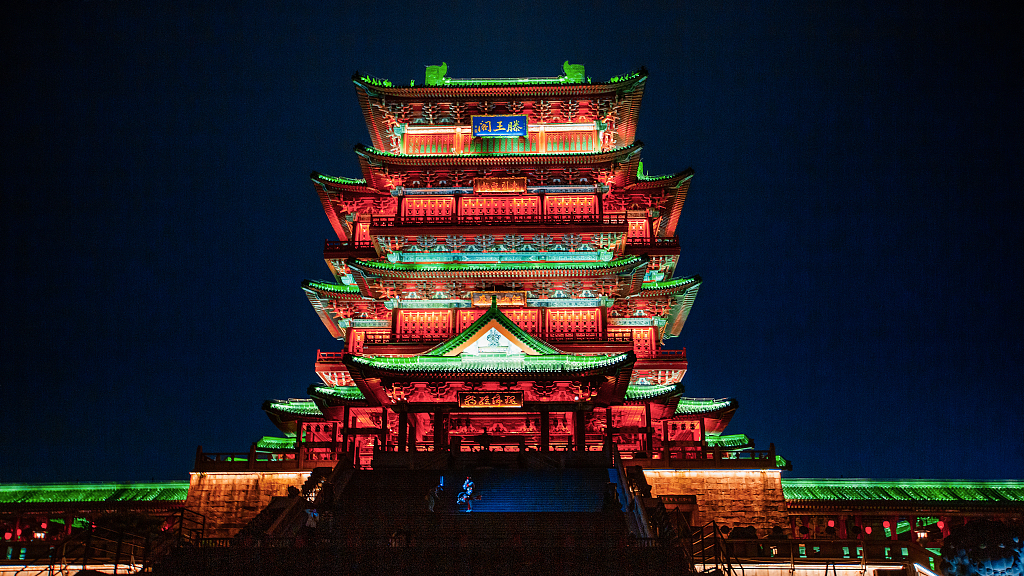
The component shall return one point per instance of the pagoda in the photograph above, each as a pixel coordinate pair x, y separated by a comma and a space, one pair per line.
504, 280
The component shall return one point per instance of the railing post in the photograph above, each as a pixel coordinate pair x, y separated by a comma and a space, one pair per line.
252, 456
88, 546
117, 554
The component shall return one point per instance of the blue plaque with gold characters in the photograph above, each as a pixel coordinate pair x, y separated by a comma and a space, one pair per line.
500, 126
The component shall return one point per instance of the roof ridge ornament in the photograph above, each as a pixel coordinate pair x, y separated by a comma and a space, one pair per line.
435, 74
573, 72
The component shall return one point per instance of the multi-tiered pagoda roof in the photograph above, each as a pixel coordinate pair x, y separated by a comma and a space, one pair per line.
514, 209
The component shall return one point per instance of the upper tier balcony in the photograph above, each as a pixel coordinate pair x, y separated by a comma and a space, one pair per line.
478, 219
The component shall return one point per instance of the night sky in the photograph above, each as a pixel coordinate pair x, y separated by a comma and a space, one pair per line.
856, 214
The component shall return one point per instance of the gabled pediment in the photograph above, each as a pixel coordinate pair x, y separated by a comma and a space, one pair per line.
494, 335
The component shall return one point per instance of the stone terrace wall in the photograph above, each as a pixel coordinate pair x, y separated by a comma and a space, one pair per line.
229, 500
729, 497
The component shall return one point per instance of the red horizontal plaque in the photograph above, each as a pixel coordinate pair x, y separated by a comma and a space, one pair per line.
503, 298
510, 399
499, 185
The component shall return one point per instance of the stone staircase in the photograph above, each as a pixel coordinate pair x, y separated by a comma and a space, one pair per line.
515, 507
567, 490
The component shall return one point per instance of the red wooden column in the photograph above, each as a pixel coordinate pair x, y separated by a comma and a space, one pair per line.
650, 431
440, 432
580, 429
344, 431
545, 430
609, 432
300, 456
403, 430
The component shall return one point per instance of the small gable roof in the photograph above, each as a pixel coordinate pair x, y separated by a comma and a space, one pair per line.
493, 318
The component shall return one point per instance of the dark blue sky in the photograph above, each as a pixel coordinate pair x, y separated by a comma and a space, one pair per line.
856, 214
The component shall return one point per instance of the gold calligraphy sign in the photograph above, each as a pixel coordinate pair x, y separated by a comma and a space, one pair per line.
510, 399
503, 185
504, 298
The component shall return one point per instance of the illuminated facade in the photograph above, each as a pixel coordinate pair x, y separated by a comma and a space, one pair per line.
504, 280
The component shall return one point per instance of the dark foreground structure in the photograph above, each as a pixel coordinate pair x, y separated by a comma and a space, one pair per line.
503, 284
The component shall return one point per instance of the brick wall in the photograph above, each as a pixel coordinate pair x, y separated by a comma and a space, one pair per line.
730, 497
229, 500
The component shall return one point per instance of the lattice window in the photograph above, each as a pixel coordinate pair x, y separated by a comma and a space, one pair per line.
430, 143
526, 318
500, 205
643, 342
574, 321
362, 232
428, 324
569, 142
580, 204
467, 317
357, 339
428, 207
638, 229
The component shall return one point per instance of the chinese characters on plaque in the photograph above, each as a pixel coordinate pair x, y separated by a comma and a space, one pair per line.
504, 298
500, 126
505, 185
510, 399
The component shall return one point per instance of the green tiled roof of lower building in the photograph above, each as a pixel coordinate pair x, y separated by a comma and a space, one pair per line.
341, 392
332, 287
275, 443
641, 392
172, 491
668, 283
694, 406
299, 406
341, 179
966, 491
509, 364
729, 441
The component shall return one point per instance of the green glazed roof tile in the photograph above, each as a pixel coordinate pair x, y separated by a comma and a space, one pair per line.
472, 266
94, 492
640, 392
332, 287
729, 441
455, 364
965, 491
275, 443
297, 406
340, 392
694, 406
